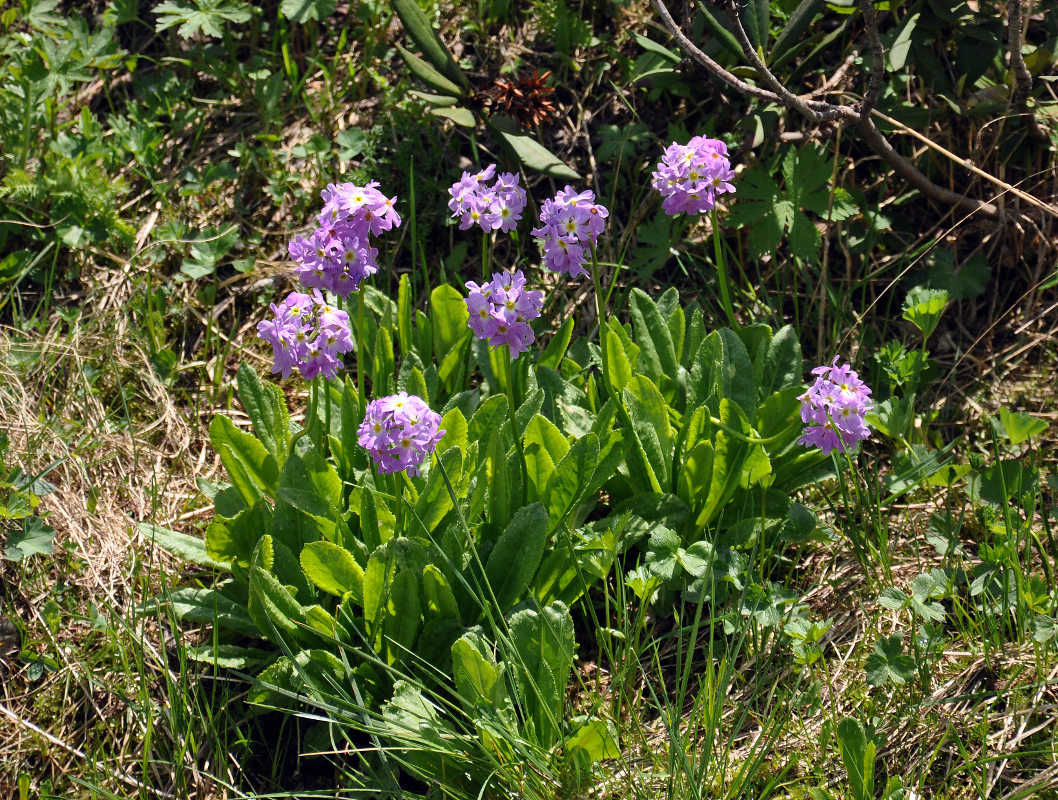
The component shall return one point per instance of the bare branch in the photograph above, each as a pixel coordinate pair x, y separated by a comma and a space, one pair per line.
877, 73
815, 110
1022, 76
703, 60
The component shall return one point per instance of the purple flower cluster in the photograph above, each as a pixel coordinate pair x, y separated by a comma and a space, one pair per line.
691, 175
338, 254
495, 208
567, 225
834, 406
399, 432
502, 309
307, 333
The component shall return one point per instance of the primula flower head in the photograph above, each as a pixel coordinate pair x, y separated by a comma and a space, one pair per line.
338, 254
691, 175
570, 224
834, 408
502, 309
306, 333
399, 432
496, 207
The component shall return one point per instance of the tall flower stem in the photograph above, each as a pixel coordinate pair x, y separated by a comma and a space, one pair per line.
314, 400
721, 268
361, 349
485, 265
600, 311
512, 406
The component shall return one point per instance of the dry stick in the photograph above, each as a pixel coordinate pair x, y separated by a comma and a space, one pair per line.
820, 111
965, 162
784, 95
1022, 76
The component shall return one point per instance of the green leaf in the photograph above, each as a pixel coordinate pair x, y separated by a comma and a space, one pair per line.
229, 656
657, 354
892, 598
516, 555
333, 569
736, 378
233, 541
594, 740
888, 664
267, 409
857, 753
649, 414
529, 152
448, 315
501, 484
556, 348
207, 606
253, 470
461, 116
653, 47
301, 11
923, 308
663, 553
545, 646
403, 613
773, 212
428, 75
729, 454
189, 548
421, 32
897, 54
487, 420
696, 475
572, 476
205, 16
455, 428
475, 671
33, 538
1044, 628
271, 606
783, 364
617, 366
440, 600
435, 501
1020, 426
722, 32
544, 432
797, 24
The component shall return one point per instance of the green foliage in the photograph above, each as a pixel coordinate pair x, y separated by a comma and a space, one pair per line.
888, 663
773, 213
923, 308
208, 17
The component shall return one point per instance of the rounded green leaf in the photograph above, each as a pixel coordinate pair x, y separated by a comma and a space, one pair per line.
333, 569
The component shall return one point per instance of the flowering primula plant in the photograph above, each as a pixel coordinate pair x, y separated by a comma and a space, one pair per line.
569, 225
502, 309
308, 333
691, 175
399, 432
834, 407
338, 255
495, 207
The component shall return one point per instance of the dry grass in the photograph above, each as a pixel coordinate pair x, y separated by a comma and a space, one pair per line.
82, 401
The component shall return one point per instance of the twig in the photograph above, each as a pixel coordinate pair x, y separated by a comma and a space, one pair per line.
965, 162
815, 110
877, 73
1022, 77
